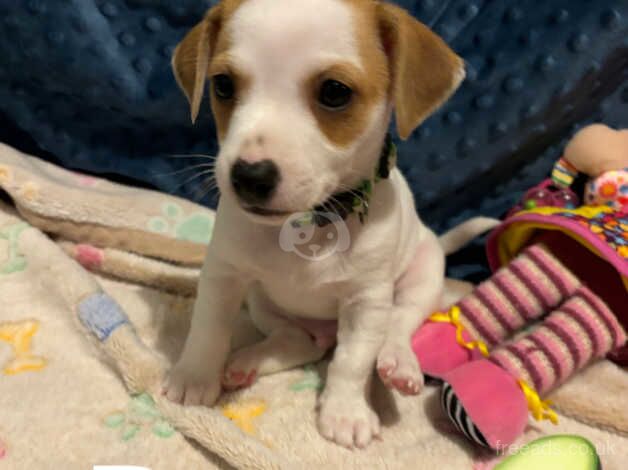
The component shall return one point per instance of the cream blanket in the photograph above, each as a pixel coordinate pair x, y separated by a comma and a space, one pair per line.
96, 281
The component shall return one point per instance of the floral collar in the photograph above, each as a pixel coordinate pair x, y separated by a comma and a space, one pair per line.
355, 201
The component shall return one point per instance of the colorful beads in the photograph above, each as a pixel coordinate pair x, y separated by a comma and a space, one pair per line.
564, 173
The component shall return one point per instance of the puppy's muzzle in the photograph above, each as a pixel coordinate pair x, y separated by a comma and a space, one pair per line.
255, 183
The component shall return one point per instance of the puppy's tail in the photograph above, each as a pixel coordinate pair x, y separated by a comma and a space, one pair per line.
462, 234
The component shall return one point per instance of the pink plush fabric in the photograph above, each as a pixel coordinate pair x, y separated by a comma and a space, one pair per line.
492, 399
437, 350
89, 256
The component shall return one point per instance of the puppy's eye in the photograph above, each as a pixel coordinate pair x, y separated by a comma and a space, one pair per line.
224, 88
334, 94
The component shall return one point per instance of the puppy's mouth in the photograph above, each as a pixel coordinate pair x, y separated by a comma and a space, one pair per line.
338, 204
329, 204
264, 212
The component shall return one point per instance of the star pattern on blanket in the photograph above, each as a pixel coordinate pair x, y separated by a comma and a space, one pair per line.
244, 413
19, 336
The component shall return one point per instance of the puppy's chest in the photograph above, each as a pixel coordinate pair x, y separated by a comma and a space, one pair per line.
306, 288
299, 300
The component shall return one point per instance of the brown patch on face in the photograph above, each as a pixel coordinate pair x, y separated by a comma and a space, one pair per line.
369, 84
221, 64
403, 60
221, 108
193, 56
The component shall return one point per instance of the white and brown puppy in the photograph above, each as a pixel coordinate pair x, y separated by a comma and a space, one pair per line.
302, 93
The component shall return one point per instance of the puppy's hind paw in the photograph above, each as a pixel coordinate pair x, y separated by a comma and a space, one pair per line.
242, 368
233, 380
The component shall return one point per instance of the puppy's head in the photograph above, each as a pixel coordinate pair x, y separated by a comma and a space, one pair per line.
302, 92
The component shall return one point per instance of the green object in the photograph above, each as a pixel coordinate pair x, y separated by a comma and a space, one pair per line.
142, 409
311, 380
172, 210
158, 225
163, 429
560, 452
115, 420
195, 228
140, 412
129, 432
15, 261
356, 200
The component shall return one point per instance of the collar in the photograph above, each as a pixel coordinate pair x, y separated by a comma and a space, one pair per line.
355, 201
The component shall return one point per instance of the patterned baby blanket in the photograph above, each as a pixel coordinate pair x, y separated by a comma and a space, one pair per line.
97, 282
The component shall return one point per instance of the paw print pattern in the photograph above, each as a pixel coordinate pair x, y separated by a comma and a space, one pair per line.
140, 413
311, 380
195, 228
13, 261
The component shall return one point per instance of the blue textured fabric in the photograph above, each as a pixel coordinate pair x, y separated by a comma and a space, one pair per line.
88, 83
101, 315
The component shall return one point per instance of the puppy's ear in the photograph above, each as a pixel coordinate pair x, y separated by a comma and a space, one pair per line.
191, 58
425, 71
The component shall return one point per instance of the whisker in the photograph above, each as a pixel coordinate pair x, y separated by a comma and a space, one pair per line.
192, 178
189, 168
208, 186
193, 155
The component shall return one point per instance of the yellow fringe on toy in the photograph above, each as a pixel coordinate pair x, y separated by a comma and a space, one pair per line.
540, 409
453, 317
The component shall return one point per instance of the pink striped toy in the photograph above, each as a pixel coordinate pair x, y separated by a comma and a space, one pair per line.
556, 302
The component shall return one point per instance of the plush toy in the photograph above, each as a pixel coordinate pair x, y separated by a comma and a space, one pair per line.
561, 281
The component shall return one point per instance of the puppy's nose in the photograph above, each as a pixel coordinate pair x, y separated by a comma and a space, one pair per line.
255, 183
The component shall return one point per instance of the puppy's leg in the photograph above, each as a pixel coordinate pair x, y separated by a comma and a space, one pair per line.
345, 415
417, 294
195, 379
286, 346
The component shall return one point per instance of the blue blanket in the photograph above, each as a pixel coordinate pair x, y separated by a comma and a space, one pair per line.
87, 83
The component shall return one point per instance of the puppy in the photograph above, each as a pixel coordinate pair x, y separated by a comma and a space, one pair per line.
302, 93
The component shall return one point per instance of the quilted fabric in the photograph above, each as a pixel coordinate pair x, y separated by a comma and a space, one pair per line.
88, 83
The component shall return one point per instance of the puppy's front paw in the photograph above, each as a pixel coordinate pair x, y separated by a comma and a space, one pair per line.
347, 421
181, 386
398, 368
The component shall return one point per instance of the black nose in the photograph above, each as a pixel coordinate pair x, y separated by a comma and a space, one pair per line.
254, 183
